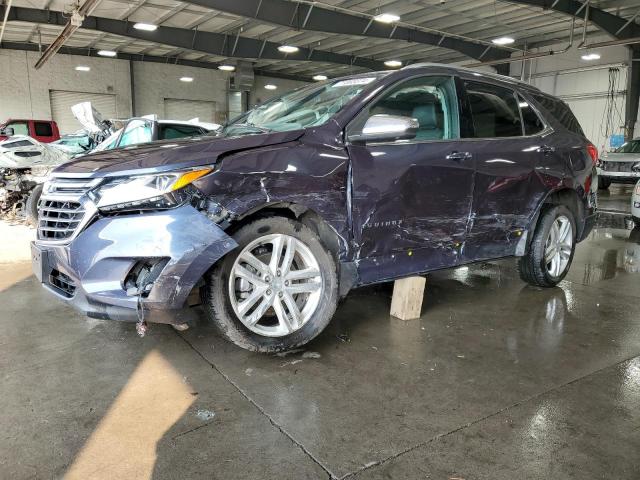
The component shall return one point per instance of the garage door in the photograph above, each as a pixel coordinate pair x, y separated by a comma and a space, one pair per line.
62, 101
176, 109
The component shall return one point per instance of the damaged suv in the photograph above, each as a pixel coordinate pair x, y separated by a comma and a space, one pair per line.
336, 185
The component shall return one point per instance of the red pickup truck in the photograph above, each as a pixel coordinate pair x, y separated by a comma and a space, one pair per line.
44, 131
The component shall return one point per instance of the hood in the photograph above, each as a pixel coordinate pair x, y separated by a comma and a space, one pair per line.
21, 153
621, 157
168, 155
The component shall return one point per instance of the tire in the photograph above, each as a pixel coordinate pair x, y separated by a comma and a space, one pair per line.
274, 331
31, 207
603, 183
532, 267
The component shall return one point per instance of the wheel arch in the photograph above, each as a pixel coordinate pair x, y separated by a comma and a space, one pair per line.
562, 196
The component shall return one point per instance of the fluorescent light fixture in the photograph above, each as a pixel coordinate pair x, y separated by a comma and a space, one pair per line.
82, 68
523, 104
226, 68
591, 56
288, 49
269, 86
503, 41
148, 27
319, 78
186, 79
107, 53
393, 63
386, 18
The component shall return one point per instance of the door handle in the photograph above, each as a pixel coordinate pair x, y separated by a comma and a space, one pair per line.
459, 156
546, 149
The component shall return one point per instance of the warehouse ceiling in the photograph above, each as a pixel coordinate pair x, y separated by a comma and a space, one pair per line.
472, 22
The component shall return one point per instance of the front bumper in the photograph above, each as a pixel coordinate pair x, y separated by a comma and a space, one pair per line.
90, 271
619, 176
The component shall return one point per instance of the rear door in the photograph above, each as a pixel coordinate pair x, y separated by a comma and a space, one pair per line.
507, 189
411, 198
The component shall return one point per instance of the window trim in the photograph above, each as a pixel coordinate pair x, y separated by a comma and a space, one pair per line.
390, 87
544, 132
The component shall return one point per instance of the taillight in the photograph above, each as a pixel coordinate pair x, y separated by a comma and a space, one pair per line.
593, 152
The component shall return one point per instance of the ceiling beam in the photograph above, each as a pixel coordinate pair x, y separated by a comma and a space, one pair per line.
314, 17
614, 25
136, 57
230, 46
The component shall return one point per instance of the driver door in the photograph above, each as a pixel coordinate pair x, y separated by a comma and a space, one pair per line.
411, 198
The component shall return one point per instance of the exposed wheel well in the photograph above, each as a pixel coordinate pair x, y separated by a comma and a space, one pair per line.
328, 236
569, 198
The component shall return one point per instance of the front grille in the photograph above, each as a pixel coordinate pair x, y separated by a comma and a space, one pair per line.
62, 283
58, 220
618, 166
61, 211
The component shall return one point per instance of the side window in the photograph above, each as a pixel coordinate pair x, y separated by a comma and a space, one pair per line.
430, 100
178, 131
137, 131
19, 128
43, 129
532, 123
494, 110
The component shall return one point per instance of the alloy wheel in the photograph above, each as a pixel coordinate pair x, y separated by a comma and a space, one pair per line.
275, 285
559, 245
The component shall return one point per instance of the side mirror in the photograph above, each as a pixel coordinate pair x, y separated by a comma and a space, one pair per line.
382, 128
7, 132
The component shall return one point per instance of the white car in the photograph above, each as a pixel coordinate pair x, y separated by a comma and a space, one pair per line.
620, 166
635, 204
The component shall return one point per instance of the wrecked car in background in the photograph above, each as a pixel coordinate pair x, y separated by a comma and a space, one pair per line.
339, 184
620, 166
25, 163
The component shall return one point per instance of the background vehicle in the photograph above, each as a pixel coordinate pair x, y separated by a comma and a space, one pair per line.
75, 143
620, 166
44, 131
349, 182
635, 205
24, 164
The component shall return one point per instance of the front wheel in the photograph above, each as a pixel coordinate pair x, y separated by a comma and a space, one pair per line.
552, 247
277, 291
32, 204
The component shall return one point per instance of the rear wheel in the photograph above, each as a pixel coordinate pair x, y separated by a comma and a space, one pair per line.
276, 291
603, 183
552, 247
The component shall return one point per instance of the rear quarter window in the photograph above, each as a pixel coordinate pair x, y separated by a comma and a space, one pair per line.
560, 111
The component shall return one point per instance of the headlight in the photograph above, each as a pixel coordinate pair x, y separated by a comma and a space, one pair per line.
146, 192
636, 167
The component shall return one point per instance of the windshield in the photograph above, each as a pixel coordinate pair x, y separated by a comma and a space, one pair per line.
306, 107
630, 147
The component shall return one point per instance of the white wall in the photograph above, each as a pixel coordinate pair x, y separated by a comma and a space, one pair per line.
583, 85
154, 82
24, 91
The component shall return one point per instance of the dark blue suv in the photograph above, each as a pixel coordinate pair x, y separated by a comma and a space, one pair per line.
336, 185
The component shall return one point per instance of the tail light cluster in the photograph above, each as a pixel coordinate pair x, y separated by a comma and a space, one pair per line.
593, 153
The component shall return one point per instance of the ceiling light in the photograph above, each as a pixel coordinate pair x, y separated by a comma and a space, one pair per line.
186, 79
386, 18
503, 41
319, 78
591, 56
226, 68
393, 63
82, 68
145, 26
270, 86
288, 48
107, 53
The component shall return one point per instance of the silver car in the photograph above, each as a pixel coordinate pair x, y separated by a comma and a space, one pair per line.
620, 166
635, 205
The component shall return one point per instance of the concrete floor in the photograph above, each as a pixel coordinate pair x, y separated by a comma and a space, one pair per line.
497, 380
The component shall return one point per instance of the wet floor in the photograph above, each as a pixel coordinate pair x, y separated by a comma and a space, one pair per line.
496, 380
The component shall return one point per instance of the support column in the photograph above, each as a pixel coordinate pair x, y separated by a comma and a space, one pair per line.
633, 93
